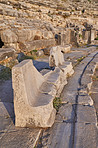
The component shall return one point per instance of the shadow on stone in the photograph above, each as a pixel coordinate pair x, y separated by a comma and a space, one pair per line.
41, 65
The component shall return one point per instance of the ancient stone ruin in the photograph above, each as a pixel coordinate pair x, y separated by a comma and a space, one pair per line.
49, 73
36, 93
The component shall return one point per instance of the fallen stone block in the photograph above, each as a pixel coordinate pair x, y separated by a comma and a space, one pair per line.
32, 108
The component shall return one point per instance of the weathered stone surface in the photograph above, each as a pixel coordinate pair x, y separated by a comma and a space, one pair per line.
6, 109
65, 48
86, 135
67, 68
93, 35
37, 44
85, 100
61, 39
86, 114
6, 53
56, 57
66, 113
6, 90
58, 79
12, 45
17, 137
59, 76
9, 36
47, 35
48, 88
47, 51
26, 87
86, 35
58, 136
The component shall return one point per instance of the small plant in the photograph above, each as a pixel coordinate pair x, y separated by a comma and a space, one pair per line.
80, 59
80, 35
34, 50
95, 78
57, 103
89, 1
17, 9
96, 69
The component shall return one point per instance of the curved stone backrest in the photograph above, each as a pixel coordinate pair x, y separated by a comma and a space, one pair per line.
27, 80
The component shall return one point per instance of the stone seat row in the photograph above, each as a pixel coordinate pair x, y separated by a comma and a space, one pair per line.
34, 93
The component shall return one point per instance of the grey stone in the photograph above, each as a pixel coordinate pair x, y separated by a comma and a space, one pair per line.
66, 113
58, 136
86, 136
85, 100
6, 109
86, 114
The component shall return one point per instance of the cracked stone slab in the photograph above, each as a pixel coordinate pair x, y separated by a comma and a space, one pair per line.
16, 137
92, 54
86, 79
80, 67
86, 136
4, 125
6, 91
58, 136
86, 114
68, 96
66, 113
6, 109
85, 100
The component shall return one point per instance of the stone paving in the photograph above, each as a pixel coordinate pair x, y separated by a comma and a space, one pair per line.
76, 122
94, 90
65, 130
